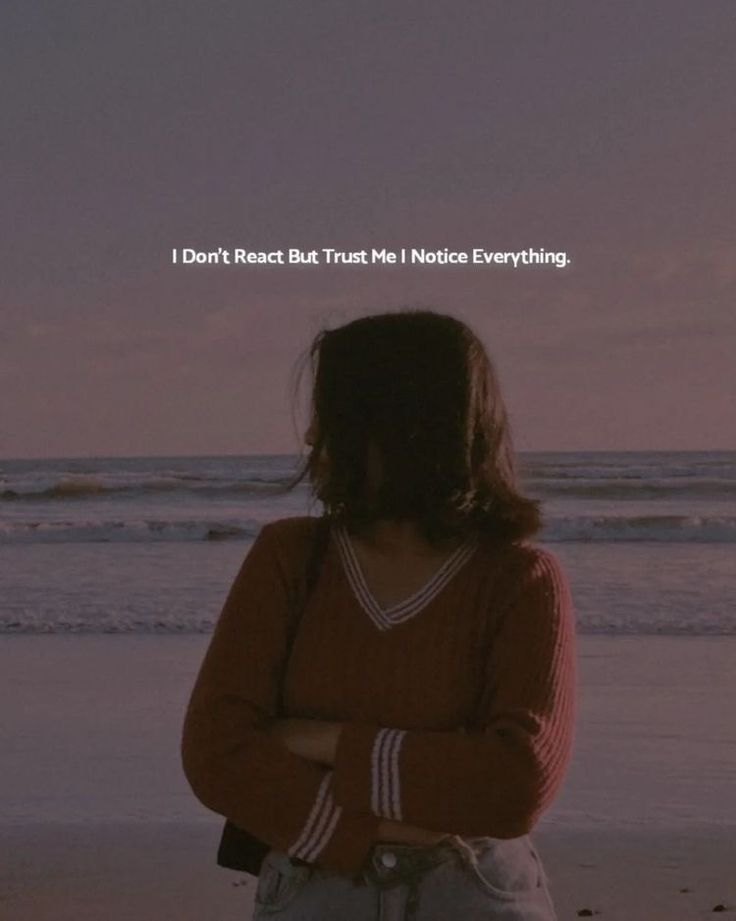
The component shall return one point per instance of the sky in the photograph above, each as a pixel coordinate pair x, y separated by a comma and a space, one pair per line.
606, 131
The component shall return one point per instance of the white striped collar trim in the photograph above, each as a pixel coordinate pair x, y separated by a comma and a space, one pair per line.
384, 618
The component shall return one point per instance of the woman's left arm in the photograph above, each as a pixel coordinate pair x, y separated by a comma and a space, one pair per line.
496, 781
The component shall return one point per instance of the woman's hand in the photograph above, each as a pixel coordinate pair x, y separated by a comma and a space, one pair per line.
315, 740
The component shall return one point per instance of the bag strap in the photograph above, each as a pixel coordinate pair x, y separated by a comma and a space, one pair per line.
318, 541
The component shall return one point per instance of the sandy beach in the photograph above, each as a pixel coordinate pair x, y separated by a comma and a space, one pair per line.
98, 822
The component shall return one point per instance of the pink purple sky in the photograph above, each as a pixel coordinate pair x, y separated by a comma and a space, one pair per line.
605, 130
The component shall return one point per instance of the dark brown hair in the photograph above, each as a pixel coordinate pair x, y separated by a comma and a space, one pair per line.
418, 387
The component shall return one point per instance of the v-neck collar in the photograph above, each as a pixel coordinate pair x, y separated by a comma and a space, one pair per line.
385, 618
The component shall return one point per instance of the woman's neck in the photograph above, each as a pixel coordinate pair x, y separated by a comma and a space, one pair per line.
390, 538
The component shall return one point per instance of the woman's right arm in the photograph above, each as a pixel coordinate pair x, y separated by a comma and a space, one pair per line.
231, 763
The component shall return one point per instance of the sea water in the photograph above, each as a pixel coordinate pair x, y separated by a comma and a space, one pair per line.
114, 570
151, 545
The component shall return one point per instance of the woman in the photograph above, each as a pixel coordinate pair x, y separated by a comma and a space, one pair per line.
429, 695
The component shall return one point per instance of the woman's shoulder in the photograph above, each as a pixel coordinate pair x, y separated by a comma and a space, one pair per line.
525, 552
525, 562
290, 535
541, 587
293, 525
535, 556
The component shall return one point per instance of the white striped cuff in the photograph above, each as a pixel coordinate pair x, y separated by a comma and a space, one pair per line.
320, 823
385, 777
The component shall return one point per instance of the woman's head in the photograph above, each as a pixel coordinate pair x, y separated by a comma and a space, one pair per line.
408, 422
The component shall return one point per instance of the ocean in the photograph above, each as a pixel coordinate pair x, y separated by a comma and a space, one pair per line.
151, 545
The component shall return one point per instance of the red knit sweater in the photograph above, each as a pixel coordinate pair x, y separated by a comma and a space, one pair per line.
459, 703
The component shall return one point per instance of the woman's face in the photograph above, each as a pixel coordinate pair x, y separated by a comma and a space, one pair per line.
374, 459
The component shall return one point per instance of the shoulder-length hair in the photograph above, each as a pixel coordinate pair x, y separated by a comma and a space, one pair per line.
418, 387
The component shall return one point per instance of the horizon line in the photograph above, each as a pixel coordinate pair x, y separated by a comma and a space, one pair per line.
519, 452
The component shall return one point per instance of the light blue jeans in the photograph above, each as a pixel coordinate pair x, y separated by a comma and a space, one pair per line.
458, 879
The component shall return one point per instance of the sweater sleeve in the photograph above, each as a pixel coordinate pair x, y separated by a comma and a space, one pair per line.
497, 779
232, 764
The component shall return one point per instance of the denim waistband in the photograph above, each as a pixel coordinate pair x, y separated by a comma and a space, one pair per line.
390, 864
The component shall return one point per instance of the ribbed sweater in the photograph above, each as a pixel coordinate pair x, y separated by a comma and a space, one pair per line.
457, 705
